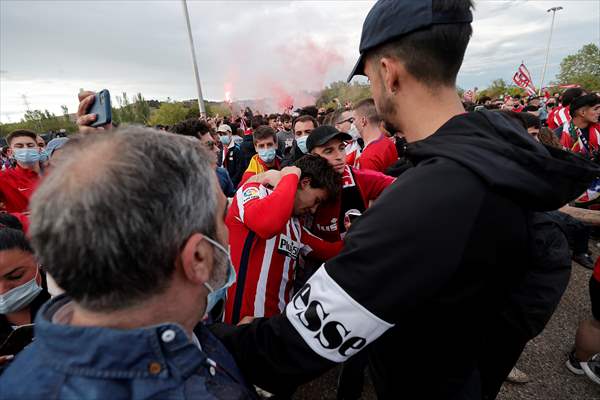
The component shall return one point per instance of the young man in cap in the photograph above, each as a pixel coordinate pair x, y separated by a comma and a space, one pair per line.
232, 159
560, 115
434, 269
582, 133
359, 187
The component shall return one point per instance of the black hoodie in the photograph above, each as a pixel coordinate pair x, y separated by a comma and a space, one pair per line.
427, 273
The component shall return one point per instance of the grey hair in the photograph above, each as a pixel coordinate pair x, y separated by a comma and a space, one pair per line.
111, 218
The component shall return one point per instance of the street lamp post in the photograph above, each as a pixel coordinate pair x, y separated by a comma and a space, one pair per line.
201, 107
554, 10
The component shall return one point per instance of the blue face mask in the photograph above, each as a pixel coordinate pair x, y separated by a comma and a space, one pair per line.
225, 140
19, 297
267, 155
301, 142
44, 156
217, 294
27, 156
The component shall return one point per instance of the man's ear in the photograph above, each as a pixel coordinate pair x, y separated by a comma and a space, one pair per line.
197, 259
393, 74
305, 183
9, 152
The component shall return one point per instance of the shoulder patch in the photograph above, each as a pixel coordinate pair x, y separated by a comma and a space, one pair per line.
250, 193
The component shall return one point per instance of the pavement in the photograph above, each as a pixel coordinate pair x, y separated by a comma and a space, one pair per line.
543, 358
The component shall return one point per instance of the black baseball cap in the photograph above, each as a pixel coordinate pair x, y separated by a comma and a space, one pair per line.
390, 19
323, 134
588, 100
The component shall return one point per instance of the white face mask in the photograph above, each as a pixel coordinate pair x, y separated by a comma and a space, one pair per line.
353, 131
216, 294
19, 297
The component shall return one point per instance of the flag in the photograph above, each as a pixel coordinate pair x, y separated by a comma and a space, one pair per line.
522, 79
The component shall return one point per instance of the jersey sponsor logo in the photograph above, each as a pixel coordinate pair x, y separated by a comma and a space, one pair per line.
332, 227
330, 322
288, 246
250, 193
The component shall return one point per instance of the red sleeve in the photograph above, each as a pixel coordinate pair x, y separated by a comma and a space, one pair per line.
371, 183
566, 141
247, 175
319, 248
267, 215
370, 160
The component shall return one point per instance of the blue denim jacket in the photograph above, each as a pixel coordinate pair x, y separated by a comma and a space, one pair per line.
157, 362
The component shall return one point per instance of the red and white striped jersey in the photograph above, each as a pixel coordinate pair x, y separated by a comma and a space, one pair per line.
266, 241
558, 117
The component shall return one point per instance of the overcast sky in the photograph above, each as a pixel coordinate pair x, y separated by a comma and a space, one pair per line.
254, 49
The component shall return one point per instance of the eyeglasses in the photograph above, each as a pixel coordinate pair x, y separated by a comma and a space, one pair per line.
351, 120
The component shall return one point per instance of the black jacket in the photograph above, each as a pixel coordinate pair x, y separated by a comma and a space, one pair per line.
234, 164
427, 274
290, 158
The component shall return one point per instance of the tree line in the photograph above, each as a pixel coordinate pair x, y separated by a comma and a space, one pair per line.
581, 68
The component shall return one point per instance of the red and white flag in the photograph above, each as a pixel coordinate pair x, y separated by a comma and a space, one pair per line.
522, 79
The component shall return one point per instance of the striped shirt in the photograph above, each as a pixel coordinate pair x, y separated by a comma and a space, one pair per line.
266, 241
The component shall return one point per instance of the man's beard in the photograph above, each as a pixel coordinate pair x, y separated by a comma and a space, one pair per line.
387, 110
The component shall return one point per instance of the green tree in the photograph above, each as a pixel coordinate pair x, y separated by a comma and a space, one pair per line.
168, 114
343, 91
65, 111
40, 122
582, 68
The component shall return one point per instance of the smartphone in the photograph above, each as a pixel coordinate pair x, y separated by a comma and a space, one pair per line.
17, 340
102, 108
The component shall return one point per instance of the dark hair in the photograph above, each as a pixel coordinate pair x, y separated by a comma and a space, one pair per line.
21, 133
191, 127
367, 109
530, 107
10, 221
530, 120
257, 121
321, 174
432, 55
548, 137
310, 110
272, 117
286, 118
14, 239
12, 235
571, 94
304, 118
264, 132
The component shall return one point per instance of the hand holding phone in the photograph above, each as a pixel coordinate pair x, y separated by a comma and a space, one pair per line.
102, 108
17, 340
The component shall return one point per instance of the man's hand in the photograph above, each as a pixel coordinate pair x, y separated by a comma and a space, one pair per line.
86, 99
246, 320
291, 170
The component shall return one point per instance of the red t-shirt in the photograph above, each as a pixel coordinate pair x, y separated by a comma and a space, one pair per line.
16, 186
378, 155
327, 222
266, 240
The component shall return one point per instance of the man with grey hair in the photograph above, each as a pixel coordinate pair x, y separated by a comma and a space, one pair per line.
130, 224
